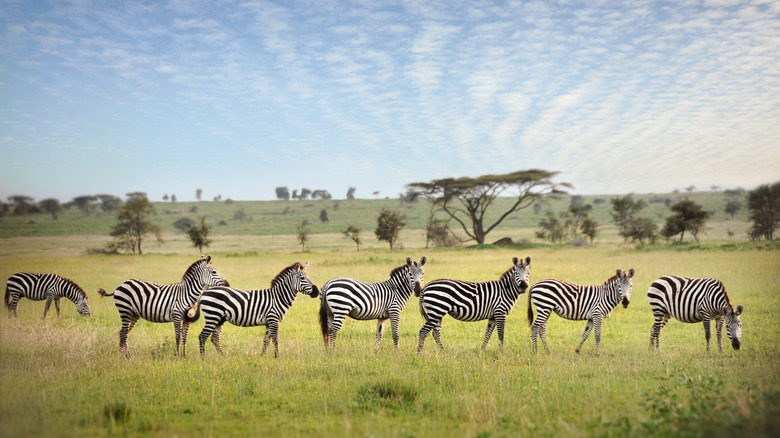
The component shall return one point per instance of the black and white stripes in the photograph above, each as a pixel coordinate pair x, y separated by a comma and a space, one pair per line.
49, 287
366, 301
135, 299
248, 308
470, 301
577, 302
694, 300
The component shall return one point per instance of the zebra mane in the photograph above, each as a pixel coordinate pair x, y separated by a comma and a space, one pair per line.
506, 274
192, 268
284, 272
79, 288
725, 294
397, 270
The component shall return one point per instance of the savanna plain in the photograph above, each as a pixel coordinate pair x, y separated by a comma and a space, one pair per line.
66, 377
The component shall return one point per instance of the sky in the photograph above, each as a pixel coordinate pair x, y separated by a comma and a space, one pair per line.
239, 97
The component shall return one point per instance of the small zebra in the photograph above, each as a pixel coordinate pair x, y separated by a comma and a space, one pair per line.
694, 300
471, 301
177, 303
49, 287
365, 301
249, 308
577, 302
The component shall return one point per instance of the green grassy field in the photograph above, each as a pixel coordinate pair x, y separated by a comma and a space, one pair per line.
66, 377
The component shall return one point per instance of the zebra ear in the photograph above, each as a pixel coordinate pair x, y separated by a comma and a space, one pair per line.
408, 261
304, 266
619, 273
631, 273
208, 258
528, 261
515, 260
738, 311
297, 265
422, 260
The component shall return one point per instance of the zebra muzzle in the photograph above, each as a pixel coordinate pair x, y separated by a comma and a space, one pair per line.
625, 302
315, 292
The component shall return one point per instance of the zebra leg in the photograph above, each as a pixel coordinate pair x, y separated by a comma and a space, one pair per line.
543, 337
437, 336
48, 304
395, 322
597, 321
267, 337
380, 328
185, 327
500, 320
127, 325
585, 334
489, 331
14, 304
719, 333
203, 337
215, 338
177, 319
426, 328
706, 322
57, 306
272, 334
335, 326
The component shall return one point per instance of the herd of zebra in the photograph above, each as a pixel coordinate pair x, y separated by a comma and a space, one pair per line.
203, 289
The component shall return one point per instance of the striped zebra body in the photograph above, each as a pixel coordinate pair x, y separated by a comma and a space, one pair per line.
472, 301
383, 301
136, 299
577, 302
694, 300
49, 287
249, 308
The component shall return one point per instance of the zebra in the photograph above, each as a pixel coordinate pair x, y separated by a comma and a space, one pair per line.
365, 301
177, 303
49, 287
249, 308
577, 302
471, 301
694, 300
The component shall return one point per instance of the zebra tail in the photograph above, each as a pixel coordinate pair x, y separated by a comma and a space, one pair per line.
530, 311
324, 318
7, 298
193, 313
103, 293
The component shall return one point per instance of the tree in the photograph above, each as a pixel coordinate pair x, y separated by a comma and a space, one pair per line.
590, 228
304, 194
578, 212
321, 194
198, 194
199, 234
302, 231
467, 200
764, 207
389, 225
641, 229
51, 206
173, 198
552, 227
437, 231
623, 210
134, 224
283, 193
165, 197
733, 207
689, 216
85, 203
109, 203
323, 215
21, 204
353, 233
351, 193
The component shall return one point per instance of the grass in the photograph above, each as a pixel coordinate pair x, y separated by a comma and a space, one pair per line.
65, 377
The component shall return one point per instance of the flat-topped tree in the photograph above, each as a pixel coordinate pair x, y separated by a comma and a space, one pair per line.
467, 200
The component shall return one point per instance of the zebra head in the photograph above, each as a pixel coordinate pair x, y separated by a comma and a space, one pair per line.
521, 273
206, 274
624, 284
734, 326
415, 273
303, 283
81, 304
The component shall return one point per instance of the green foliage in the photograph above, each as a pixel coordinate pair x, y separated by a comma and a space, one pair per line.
393, 395
51, 206
134, 225
353, 233
689, 216
624, 209
199, 234
389, 225
764, 206
303, 234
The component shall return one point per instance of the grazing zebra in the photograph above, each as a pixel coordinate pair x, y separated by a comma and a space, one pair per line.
694, 300
577, 302
470, 301
49, 287
135, 299
249, 308
364, 301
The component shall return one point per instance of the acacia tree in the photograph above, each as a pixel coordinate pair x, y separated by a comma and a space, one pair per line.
624, 213
467, 200
22, 203
134, 224
51, 206
302, 232
764, 206
389, 225
353, 233
199, 234
689, 216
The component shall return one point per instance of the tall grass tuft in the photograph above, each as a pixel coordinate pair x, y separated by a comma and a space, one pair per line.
388, 394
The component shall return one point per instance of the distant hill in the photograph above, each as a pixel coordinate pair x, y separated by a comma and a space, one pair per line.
281, 217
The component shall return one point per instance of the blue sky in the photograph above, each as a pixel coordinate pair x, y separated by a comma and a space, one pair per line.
238, 97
